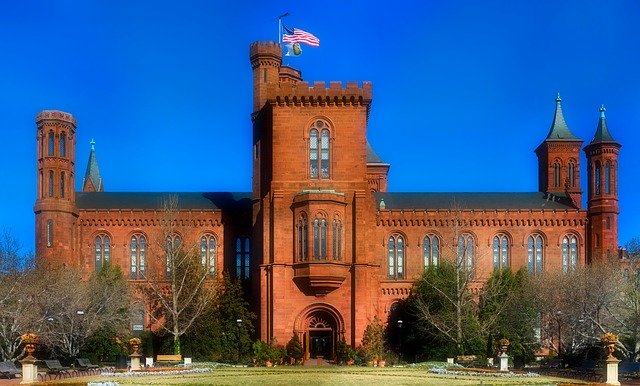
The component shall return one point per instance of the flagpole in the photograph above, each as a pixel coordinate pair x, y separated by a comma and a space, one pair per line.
280, 26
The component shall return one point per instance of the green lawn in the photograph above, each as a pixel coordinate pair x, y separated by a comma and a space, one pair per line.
325, 375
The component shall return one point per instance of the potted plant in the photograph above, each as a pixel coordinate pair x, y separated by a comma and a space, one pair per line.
30, 340
134, 343
504, 345
609, 341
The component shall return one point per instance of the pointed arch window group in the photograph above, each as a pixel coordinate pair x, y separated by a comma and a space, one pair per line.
319, 151
500, 252
320, 234
138, 256
102, 248
569, 253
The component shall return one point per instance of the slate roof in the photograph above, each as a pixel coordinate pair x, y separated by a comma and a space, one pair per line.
93, 173
559, 130
153, 200
602, 132
487, 201
372, 156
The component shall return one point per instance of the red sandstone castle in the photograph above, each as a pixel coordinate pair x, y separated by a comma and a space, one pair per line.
322, 244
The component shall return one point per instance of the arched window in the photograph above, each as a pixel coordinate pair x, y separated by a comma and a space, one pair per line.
337, 239
138, 253
569, 252
572, 174
320, 239
102, 245
607, 177
500, 252
319, 151
61, 184
395, 257
51, 144
535, 253
556, 174
466, 254
49, 233
63, 145
208, 253
597, 177
243, 257
50, 183
172, 250
430, 250
302, 238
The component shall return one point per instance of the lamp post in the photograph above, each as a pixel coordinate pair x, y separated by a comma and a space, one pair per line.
558, 314
239, 322
400, 338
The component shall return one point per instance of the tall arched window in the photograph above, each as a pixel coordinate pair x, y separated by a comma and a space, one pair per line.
500, 252
243, 257
597, 179
569, 252
63, 145
137, 317
607, 177
302, 238
320, 239
466, 254
395, 257
208, 253
50, 183
535, 253
572, 174
430, 250
102, 245
49, 233
138, 254
319, 151
172, 250
62, 184
337, 239
556, 174
51, 145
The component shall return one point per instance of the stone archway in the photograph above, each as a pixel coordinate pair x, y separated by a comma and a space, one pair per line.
319, 328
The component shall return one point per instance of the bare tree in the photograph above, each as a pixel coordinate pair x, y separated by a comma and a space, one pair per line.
181, 292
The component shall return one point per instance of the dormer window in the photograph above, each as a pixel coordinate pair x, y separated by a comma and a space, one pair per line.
319, 151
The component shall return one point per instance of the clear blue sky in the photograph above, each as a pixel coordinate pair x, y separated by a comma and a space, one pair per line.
463, 90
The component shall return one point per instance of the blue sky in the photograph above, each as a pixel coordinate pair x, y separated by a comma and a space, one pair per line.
463, 90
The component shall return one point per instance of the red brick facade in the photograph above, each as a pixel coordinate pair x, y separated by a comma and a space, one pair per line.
326, 246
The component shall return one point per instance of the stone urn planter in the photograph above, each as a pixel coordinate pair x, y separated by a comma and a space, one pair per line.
504, 345
609, 341
30, 340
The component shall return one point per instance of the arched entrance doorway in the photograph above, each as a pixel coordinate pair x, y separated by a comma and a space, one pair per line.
320, 327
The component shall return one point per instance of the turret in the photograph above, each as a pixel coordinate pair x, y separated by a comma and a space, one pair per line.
602, 169
266, 58
559, 159
55, 202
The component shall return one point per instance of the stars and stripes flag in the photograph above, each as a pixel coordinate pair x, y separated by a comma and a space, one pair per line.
297, 35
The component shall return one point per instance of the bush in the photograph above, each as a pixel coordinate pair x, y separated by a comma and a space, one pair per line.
294, 348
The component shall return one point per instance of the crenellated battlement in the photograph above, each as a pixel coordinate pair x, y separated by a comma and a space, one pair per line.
57, 115
318, 92
262, 51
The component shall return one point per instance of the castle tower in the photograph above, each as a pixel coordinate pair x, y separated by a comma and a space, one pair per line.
266, 58
92, 181
602, 169
55, 209
559, 159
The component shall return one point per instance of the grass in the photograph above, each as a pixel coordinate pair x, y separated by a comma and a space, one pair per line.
325, 375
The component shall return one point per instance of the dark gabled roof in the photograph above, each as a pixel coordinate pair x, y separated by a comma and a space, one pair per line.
93, 173
559, 130
154, 200
602, 132
486, 201
372, 156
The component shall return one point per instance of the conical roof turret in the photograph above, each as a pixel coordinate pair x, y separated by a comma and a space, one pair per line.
602, 132
559, 130
92, 181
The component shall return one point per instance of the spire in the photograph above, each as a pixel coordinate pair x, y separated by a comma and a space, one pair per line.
559, 129
602, 132
92, 181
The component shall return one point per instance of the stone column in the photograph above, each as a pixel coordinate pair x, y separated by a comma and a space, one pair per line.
504, 362
29, 371
612, 372
135, 361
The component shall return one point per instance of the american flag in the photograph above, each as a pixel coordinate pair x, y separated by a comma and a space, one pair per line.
299, 36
